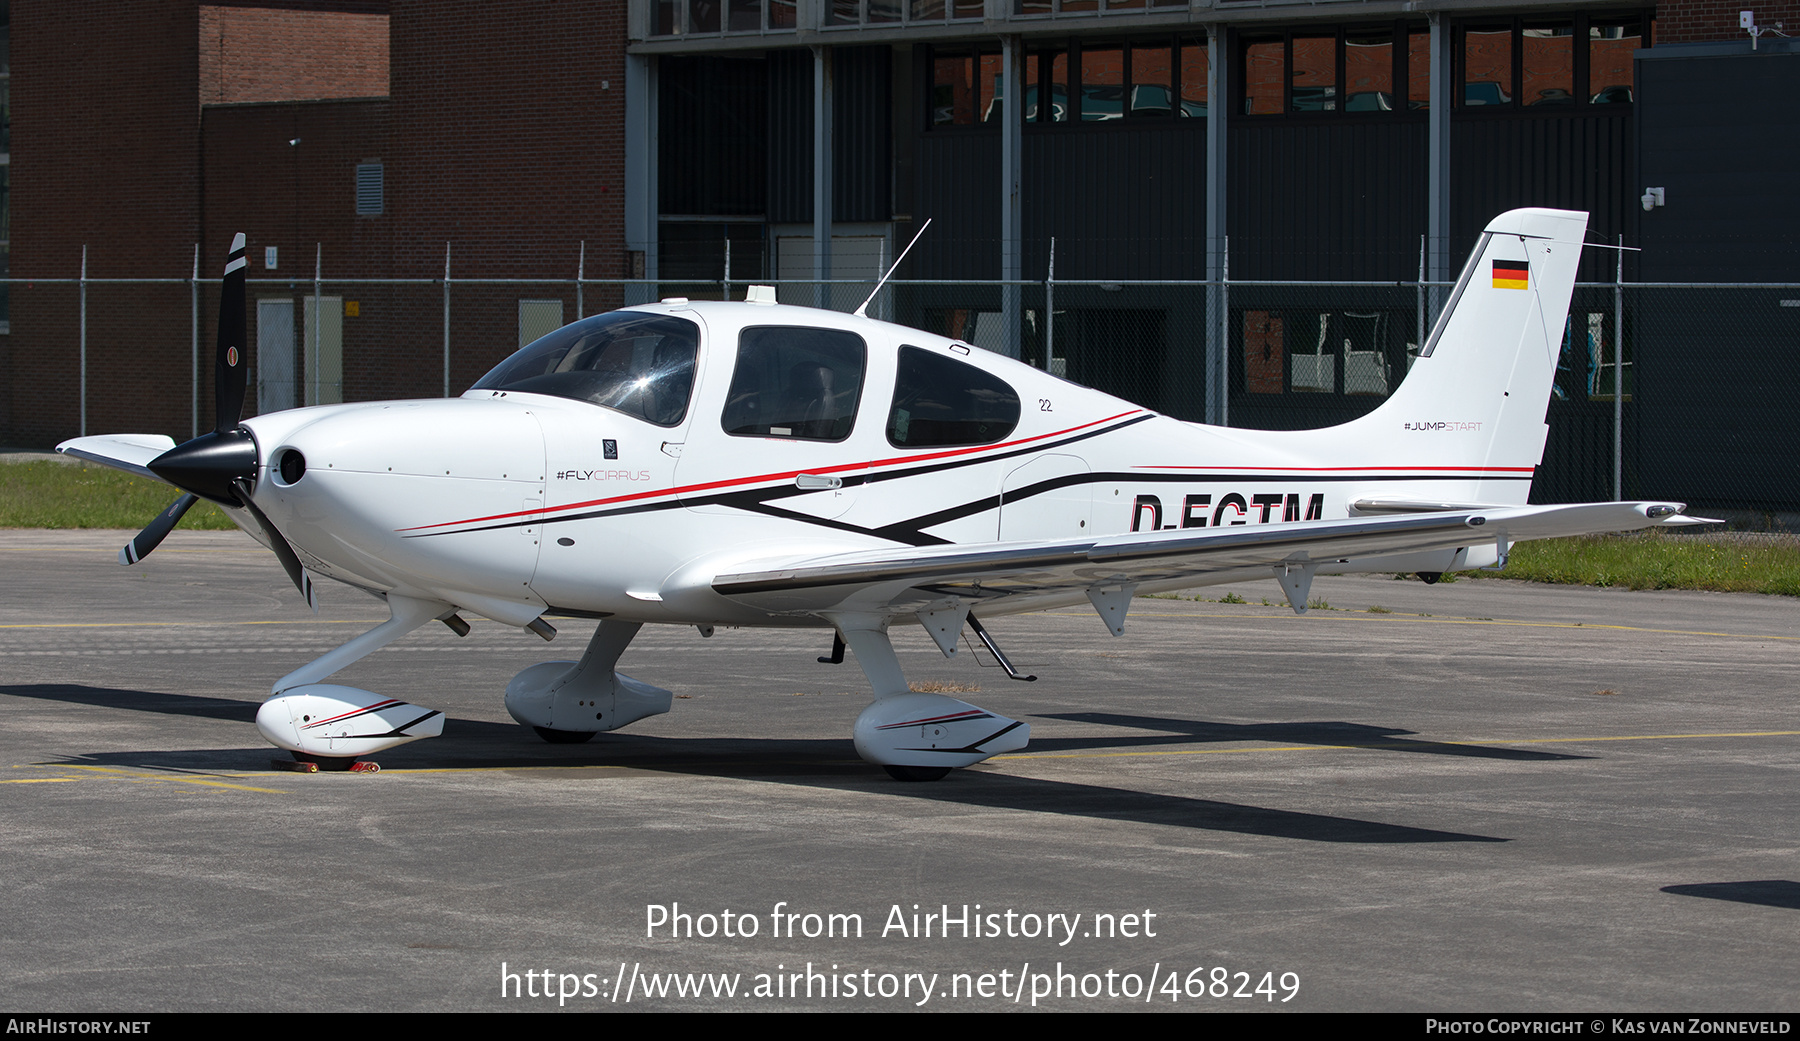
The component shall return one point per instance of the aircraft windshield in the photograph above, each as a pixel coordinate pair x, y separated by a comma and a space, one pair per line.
638, 364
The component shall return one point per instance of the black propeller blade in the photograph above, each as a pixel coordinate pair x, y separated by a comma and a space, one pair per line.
221, 464
283, 551
228, 363
153, 533
209, 464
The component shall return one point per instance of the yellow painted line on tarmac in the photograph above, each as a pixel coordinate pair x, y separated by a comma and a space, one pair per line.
189, 625
518, 769
1393, 745
125, 536
39, 780
115, 773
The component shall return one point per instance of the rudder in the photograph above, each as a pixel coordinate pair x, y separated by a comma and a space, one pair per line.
1477, 394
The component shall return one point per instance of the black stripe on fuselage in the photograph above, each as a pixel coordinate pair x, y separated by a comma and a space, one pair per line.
750, 498
910, 531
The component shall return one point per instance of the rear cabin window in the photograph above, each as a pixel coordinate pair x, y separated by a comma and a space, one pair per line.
797, 382
940, 401
631, 362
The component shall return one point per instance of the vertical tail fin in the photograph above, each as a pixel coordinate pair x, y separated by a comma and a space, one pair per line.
1476, 396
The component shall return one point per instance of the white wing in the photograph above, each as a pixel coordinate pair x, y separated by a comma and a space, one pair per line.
1019, 576
129, 452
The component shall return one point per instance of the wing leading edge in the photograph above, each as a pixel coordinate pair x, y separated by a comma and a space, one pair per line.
1009, 577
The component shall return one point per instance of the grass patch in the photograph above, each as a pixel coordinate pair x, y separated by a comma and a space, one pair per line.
51, 494
1725, 562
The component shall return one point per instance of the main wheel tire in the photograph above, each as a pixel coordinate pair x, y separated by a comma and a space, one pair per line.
327, 763
917, 773
564, 737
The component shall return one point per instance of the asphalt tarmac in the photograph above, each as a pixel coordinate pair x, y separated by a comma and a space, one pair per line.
1486, 796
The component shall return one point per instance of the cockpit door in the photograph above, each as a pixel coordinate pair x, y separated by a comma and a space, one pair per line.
781, 427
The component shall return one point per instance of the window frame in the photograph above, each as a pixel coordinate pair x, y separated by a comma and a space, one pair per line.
855, 409
936, 357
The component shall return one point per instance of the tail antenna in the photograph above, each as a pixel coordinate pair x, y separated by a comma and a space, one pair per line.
890, 271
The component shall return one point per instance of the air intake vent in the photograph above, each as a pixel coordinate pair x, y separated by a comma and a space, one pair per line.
368, 190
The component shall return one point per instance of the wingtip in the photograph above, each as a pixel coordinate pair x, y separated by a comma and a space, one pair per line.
238, 242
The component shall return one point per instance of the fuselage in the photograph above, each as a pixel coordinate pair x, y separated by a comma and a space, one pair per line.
580, 484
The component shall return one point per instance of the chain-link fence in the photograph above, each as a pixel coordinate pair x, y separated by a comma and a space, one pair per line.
1681, 391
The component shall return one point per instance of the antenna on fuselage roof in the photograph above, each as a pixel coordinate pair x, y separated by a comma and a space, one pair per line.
890, 271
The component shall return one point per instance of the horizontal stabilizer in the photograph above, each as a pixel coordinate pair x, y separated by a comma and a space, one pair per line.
129, 452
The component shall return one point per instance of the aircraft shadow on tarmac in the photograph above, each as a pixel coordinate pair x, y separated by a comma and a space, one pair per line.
137, 700
820, 764
1324, 734
1774, 892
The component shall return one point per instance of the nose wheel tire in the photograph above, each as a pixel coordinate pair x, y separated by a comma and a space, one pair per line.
564, 737
327, 763
917, 773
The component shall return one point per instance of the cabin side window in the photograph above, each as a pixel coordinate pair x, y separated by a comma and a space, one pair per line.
796, 382
940, 401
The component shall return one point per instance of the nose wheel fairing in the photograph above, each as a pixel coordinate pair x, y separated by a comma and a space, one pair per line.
326, 719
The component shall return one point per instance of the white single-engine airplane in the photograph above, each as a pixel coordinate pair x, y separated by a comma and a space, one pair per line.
755, 464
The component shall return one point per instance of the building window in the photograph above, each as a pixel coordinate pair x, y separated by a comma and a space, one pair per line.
1074, 82
1418, 69
686, 17
1264, 65
1369, 71
1487, 66
964, 87
1611, 42
1354, 70
1056, 7
1102, 83
370, 198
1548, 64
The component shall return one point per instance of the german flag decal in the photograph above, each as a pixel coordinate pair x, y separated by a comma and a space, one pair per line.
1511, 274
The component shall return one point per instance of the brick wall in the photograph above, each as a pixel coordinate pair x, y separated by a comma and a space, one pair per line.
291, 53
1691, 21
105, 151
508, 143
109, 132
300, 199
